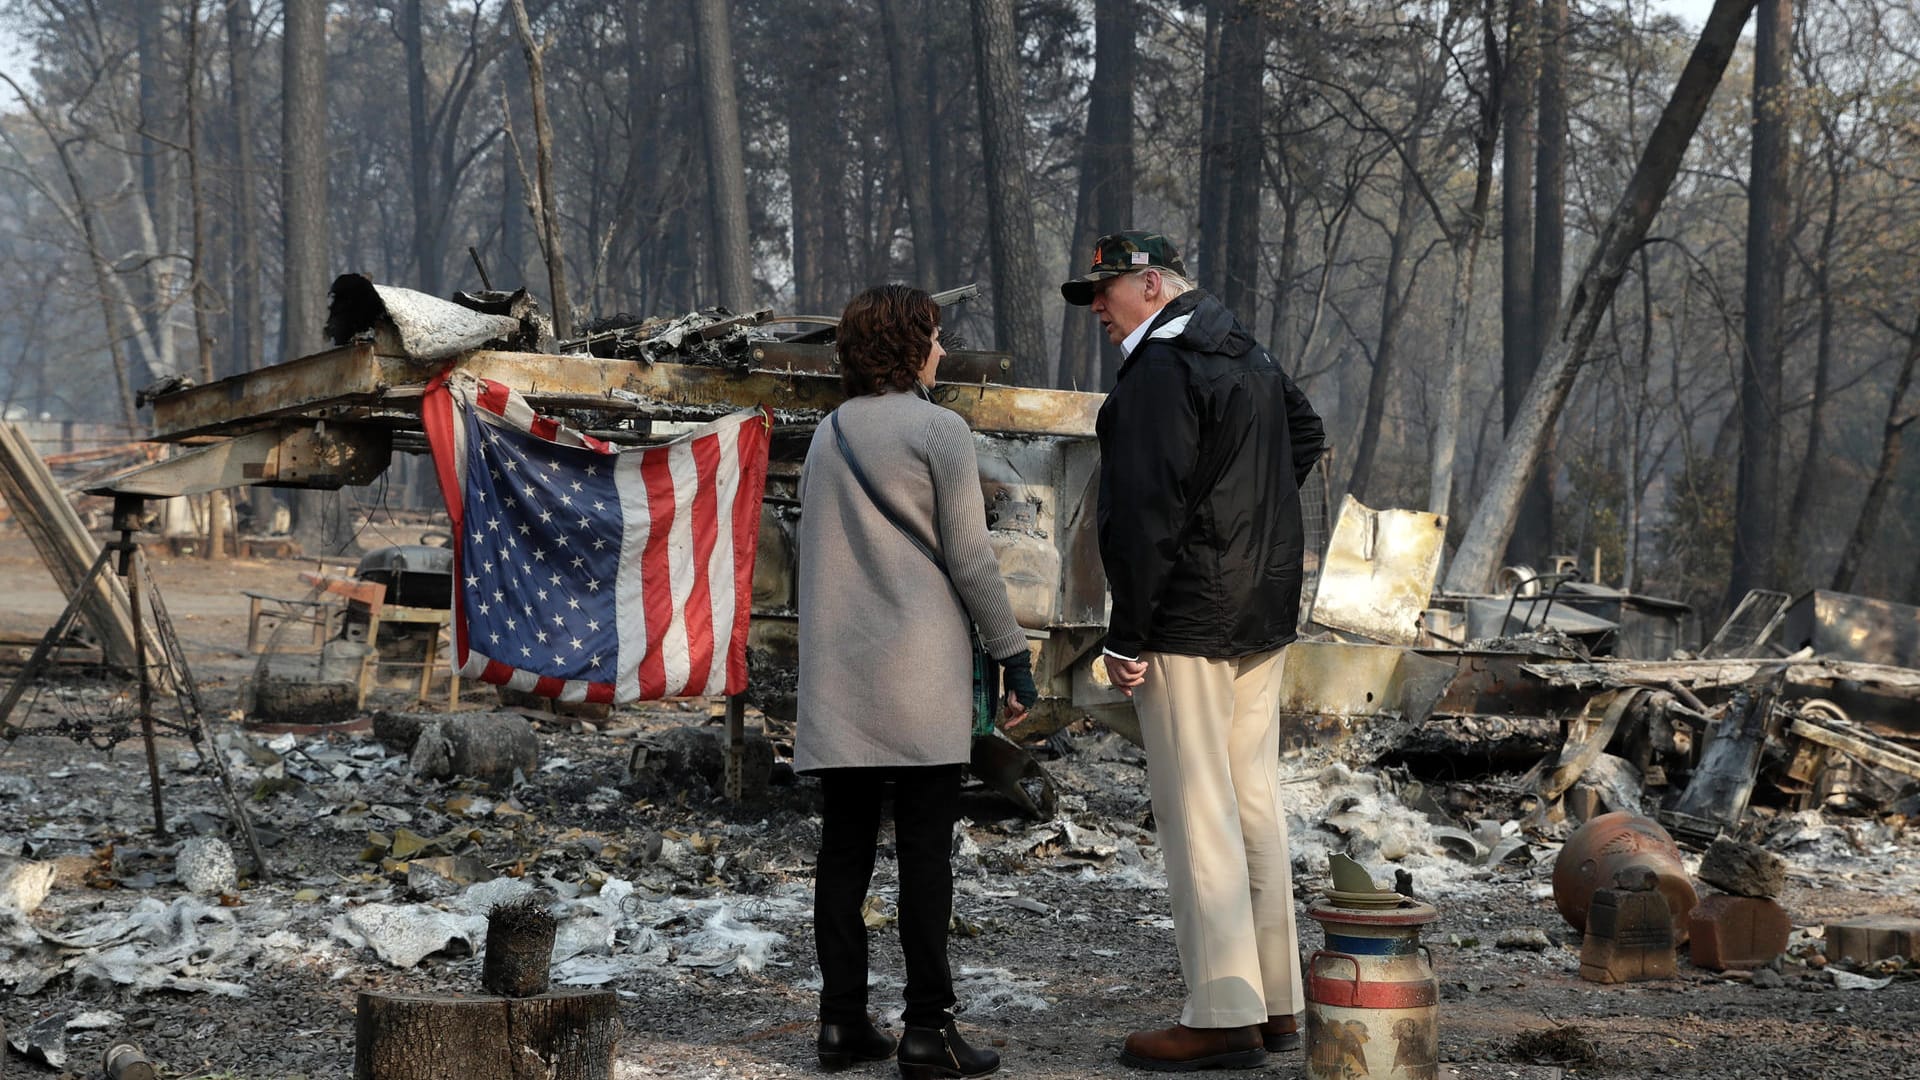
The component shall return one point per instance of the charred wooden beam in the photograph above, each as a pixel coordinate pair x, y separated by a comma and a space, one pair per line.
359, 383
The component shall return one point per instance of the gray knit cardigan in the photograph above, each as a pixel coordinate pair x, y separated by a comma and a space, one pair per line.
886, 668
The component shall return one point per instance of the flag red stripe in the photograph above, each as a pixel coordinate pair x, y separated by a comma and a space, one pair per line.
706, 532
545, 428
657, 571
496, 673
746, 540
436, 416
494, 397
549, 687
600, 693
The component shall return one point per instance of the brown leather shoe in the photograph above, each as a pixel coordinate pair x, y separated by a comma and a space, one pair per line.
1280, 1033
1184, 1049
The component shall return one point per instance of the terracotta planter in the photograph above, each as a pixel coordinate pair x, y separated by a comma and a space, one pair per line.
1608, 844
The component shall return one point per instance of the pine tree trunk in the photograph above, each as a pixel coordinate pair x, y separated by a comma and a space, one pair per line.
1624, 230
249, 326
1466, 257
910, 142
1003, 121
553, 240
1757, 495
1868, 524
428, 259
1519, 333
1393, 306
726, 166
1105, 203
1243, 63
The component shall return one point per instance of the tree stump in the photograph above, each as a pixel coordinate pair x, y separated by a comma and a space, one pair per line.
564, 1035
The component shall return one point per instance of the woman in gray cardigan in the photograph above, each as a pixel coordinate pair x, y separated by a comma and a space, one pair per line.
895, 570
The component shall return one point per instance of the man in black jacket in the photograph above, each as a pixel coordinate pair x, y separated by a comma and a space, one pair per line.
1204, 443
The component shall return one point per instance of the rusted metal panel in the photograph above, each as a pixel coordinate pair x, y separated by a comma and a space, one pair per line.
1848, 627
286, 455
341, 381
1379, 571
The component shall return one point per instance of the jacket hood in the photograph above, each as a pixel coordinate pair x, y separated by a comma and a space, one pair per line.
1210, 327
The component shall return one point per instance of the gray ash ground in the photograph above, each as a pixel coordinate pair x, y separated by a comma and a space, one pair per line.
1062, 943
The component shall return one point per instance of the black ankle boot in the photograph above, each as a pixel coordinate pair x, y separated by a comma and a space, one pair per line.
842, 1045
941, 1054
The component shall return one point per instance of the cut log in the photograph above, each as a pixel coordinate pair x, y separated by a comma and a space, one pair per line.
489, 747
519, 949
400, 732
569, 1035
125, 1061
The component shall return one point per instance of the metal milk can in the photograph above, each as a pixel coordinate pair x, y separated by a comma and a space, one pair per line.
1372, 999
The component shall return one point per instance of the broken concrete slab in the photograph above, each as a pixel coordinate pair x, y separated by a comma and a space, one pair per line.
1743, 869
205, 866
25, 883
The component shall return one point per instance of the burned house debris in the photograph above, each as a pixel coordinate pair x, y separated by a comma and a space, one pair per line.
1478, 744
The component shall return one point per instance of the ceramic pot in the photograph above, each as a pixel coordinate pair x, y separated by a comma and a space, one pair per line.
1608, 844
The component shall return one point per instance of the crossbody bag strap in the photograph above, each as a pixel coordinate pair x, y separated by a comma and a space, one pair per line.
860, 477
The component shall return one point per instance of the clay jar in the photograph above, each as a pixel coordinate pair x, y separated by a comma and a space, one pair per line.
1608, 844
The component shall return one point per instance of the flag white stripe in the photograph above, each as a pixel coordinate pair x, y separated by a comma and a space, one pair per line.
630, 610
686, 478
720, 563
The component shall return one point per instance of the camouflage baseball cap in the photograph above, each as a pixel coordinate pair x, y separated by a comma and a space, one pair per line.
1122, 253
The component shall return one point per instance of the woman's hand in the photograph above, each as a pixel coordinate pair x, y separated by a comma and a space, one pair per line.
1016, 674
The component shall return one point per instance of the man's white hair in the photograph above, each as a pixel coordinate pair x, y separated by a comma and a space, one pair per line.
1174, 284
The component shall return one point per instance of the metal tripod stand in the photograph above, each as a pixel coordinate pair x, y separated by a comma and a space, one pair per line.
133, 570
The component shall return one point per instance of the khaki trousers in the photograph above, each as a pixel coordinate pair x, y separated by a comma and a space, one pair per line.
1212, 733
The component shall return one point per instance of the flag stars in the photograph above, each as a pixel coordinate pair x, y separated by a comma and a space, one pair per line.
493, 524
573, 603
479, 536
526, 650
559, 620
553, 465
472, 582
485, 607
539, 554
583, 522
525, 528
540, 636
578, 562
546, 516
553, 579
511, 624
593, 584
593, 625
599, 542
512, 464
576, 644
575, 485
542, 594
593, 470
595, 661
495, 638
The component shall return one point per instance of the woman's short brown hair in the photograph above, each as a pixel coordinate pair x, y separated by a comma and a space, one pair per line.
883, 338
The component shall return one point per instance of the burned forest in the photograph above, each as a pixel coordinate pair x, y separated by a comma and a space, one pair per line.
408, 407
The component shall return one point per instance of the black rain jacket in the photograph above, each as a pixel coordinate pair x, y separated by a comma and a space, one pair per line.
1204, 443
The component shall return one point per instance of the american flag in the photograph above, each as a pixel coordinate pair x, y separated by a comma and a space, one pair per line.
585, 572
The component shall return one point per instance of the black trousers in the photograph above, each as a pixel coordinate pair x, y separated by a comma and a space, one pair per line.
925, 806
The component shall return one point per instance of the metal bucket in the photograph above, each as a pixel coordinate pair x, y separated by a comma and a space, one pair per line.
1372, 1000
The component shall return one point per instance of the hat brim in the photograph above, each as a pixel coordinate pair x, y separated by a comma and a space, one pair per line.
1079, 292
